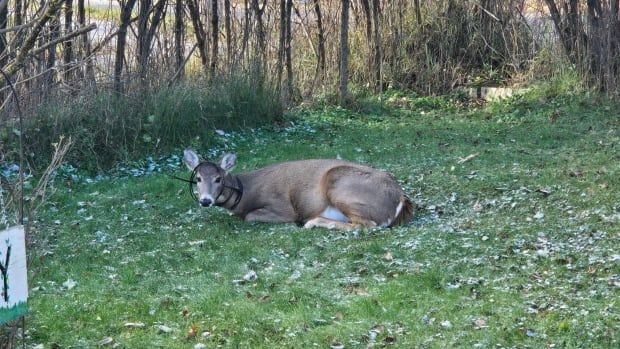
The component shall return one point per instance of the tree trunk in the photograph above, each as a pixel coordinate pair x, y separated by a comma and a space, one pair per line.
19, 15
49, 77
377, 57
288, 54
67, 52
215, 31
258, 11
160, 7
368, 20
246, 30
144, 9
344, 53
121, 40
4, 14
179, 39
228, 29
320, 65
418, 13
199, 32
280, 64
19, 20
90, 70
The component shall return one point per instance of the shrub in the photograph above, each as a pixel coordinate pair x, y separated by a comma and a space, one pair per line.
108, 128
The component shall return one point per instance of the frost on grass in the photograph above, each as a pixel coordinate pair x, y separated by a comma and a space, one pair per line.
502, 253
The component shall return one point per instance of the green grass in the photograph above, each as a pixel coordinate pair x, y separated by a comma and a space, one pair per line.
491, 260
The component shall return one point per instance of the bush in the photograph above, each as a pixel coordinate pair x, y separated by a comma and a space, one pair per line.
108, 128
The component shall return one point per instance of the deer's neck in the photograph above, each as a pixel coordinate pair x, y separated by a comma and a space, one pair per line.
232, 193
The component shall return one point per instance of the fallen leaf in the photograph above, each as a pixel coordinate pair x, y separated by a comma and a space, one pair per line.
389, 340
162, 329
133, 325
378, 329
250, 276
467, 158
575, 173
69, 284
480, 324
477, 206
388, 256
446, 324
105, 341
192, 332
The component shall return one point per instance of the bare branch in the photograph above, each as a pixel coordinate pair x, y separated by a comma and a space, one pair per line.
66, 37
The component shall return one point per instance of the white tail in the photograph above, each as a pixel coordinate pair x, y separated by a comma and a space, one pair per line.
332, 194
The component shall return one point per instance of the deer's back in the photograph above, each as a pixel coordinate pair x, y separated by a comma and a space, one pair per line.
299, 187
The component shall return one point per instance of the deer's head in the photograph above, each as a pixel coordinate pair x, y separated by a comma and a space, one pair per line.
210, 177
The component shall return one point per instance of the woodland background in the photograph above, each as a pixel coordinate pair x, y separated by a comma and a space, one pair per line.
133, 77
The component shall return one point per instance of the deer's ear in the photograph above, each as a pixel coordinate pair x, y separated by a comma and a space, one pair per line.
228, 161
191, 159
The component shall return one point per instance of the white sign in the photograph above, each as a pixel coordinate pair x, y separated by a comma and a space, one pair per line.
13, 275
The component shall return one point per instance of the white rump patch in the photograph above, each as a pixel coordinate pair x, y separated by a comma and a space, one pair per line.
335, 215
398, 209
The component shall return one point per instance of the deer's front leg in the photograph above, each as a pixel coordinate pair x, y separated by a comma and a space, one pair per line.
269, 216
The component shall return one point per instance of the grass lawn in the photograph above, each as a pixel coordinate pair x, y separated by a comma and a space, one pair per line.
517, 247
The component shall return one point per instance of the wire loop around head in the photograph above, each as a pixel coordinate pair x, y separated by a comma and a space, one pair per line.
192, 182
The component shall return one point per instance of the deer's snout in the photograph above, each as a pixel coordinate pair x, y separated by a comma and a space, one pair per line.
205, 202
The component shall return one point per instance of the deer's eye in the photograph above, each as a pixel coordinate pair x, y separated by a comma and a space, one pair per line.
218, 179
198, 179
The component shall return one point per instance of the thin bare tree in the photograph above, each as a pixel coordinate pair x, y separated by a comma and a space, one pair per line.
258, 11
228, 33
179, 38
89, 71
199, 32
377, 56
149, 17
288, 54
67, 50
368, 31
121, 41
344, 53
4, 16
320, 64
282, 42
215, 34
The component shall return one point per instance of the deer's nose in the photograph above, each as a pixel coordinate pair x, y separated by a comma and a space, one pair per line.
205, 202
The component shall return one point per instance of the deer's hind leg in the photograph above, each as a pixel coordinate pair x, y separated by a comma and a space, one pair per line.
366, 198
320, 222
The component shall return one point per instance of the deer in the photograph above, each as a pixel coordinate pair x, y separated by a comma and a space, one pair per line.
323, 193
